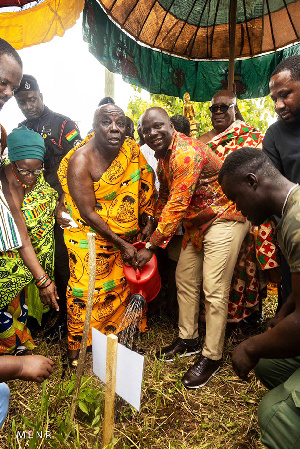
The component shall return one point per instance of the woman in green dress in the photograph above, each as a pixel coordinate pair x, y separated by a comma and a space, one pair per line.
26, 273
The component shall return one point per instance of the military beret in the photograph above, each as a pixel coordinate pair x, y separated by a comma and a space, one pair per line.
28, 83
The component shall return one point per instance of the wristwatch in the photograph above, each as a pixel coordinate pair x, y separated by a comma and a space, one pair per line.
150, 246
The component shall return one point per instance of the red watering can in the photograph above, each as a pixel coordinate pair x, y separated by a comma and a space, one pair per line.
145, 282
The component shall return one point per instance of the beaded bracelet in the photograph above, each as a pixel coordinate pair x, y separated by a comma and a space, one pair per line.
45, 286
42, 281
45, 279
40, 278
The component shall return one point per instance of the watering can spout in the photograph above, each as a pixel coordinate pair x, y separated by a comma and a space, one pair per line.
138, 300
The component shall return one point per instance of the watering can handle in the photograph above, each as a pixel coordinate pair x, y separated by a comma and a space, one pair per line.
138, 274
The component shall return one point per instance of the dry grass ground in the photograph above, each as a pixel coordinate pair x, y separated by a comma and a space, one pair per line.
220, 415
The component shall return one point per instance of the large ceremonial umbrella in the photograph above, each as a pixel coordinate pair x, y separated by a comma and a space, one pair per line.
18, 3
173, 46
26, 23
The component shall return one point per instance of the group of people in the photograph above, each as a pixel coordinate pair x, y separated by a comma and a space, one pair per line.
224, 200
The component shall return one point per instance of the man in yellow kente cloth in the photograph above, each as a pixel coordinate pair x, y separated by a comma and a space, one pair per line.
108, 188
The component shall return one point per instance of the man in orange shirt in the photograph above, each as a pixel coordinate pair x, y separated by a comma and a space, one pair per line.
214, 231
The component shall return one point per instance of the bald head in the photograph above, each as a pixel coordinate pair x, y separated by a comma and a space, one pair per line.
157, 130
157, 111
224, 93
106, 109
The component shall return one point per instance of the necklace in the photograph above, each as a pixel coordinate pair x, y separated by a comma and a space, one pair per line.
21, 183
287, 197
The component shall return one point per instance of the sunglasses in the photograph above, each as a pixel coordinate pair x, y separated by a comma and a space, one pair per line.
223, 108
25, 172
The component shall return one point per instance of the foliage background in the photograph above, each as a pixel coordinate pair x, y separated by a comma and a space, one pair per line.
256, 112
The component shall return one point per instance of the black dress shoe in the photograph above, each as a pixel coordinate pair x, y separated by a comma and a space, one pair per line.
200, 373
177, 349
254, 319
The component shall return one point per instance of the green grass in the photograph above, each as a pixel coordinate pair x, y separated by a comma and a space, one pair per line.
223, 414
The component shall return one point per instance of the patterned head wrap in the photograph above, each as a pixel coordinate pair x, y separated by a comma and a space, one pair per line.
23, 143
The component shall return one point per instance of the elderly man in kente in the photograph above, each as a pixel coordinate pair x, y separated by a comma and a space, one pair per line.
214, 231
25, 274
108, 187
258, 255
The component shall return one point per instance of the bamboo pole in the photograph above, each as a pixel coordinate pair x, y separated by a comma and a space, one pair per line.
110, 389
232, 34
109, 89
89, 306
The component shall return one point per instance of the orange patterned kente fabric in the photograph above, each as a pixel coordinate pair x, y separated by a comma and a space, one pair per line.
124, 191
259, 249
238, 135
189, 191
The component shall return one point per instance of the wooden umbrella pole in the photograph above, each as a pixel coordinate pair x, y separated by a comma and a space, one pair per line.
89, 306
110, 389
109, 90
232, 33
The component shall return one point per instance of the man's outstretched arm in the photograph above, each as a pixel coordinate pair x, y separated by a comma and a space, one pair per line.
281, 341
36, 368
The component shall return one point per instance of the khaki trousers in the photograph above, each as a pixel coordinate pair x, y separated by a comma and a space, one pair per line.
214, 264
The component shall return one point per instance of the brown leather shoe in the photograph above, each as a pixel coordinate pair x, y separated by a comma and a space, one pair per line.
177, 349
200, 373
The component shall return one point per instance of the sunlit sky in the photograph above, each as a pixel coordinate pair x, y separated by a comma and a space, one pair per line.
70, 79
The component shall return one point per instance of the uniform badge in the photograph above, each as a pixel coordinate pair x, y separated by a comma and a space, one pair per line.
27, 85
70, 136
46, 131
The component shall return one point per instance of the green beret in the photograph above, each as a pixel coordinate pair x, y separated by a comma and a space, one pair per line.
23, 143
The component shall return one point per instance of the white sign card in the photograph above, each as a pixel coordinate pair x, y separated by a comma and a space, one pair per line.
130, 367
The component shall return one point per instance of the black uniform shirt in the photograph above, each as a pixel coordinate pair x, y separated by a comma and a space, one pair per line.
282, 144
60, 134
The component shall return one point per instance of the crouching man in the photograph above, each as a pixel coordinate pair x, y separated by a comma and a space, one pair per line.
249, 179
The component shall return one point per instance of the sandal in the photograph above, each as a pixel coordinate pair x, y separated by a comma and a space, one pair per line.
23, 351
73, 361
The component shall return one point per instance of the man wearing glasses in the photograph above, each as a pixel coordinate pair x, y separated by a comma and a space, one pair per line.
223, 111
258, 253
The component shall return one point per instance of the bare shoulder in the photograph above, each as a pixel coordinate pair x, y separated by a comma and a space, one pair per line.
81, 160
206, 137
7, 177
13, 191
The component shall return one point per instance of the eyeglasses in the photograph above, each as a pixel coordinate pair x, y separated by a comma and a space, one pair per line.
223, 108
25, 172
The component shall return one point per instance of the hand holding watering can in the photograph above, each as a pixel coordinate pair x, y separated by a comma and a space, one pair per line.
144, 255
145, 281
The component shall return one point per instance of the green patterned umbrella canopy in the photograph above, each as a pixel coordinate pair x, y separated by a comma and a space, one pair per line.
174, 46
